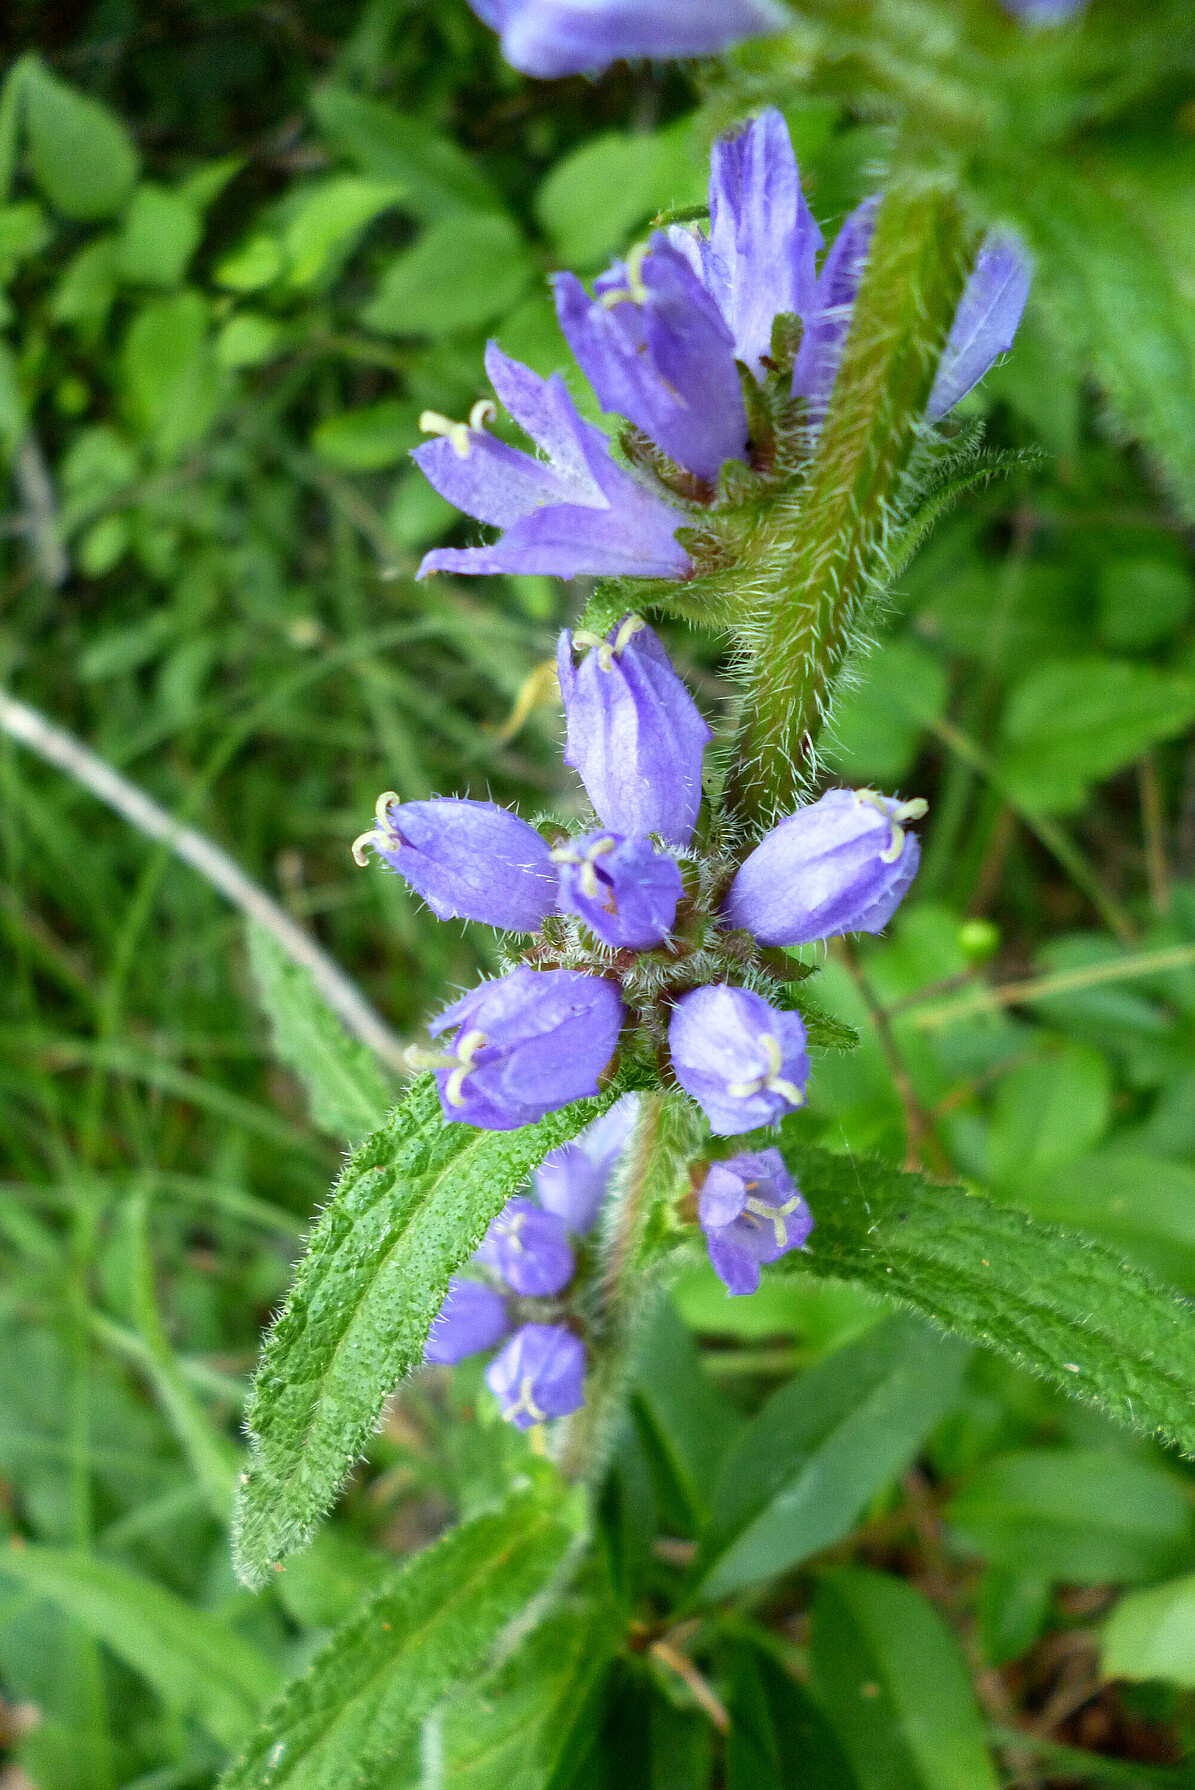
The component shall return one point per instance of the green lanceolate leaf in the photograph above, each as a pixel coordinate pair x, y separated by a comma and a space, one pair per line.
820, 1448
687, 1425
524, 1724
411, 1205
1056, 1303
347, 1092
361, 1701
889, 1675
825, 556
198, 1666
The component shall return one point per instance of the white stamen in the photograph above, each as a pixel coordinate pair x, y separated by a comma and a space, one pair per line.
771, 1079
379, 836
634, 292
432, 423
896, 840
482, 413
526, 1403
460, 1061
607, 649
775, 1215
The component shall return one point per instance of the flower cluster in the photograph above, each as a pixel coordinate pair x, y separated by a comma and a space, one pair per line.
644, 944
720, 348
529, 1259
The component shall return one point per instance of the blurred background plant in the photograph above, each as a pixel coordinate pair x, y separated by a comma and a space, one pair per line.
241, 249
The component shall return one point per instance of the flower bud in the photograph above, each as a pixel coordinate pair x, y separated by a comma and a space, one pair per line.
844, 864
530, 1249
472, 1318
468, 860
624, 890
539, 1374
742, 1060
635, 735
751, 1211
524, 1045
572, 1181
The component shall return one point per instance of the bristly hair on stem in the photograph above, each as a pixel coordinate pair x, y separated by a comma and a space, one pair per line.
828, 559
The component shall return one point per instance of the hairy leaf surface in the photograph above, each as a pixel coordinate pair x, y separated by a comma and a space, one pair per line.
411, 1205
1066, 1308
363, 1697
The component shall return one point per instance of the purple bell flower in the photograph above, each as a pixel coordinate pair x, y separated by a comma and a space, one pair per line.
654, 347
549, 38
1044, 12
572, 1180
985, 323
468, 860
472, 1319
530, 1249
539, 1374
524, 1045
743, 1061
575, 512
635, 734
625, 891
751, 1211
844, 864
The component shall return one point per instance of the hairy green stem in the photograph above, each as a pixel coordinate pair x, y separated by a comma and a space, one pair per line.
826, 558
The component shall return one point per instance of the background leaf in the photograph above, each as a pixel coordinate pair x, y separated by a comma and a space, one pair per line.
79, 151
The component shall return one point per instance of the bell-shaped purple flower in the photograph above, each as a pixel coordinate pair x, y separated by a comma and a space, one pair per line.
576, 511
752, 1212
985, 323
844, 864
1044, 12
743, 1061
530, 1249
625, 891
634, 733
572, 1180
523, 1046
549, 38
468, 860
539, 1374
654, 347
472, 1319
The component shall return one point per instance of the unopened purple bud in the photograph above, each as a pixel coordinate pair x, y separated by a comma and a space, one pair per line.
743, 1061
472, 1318
468, 860
751, 1211
572, 1180
539, 1374
560, 37
524, 1045
625, 891
844, 864
530, 1249
635, 734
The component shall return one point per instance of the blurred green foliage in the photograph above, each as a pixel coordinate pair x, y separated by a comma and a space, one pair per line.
241, 248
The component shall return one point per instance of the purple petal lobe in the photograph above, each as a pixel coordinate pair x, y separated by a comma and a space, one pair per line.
743, 1061
577, 512
655, 349
762, 234
572, 1180
635, 735
472, 1318
539, 1374
530, 1249
625, 891
526, 1045
468, 860
550, 38
828, 321
843, 864
1044, 12
985, 324
752, 1212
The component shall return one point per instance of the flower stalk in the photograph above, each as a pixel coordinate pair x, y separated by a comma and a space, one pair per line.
827, 548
